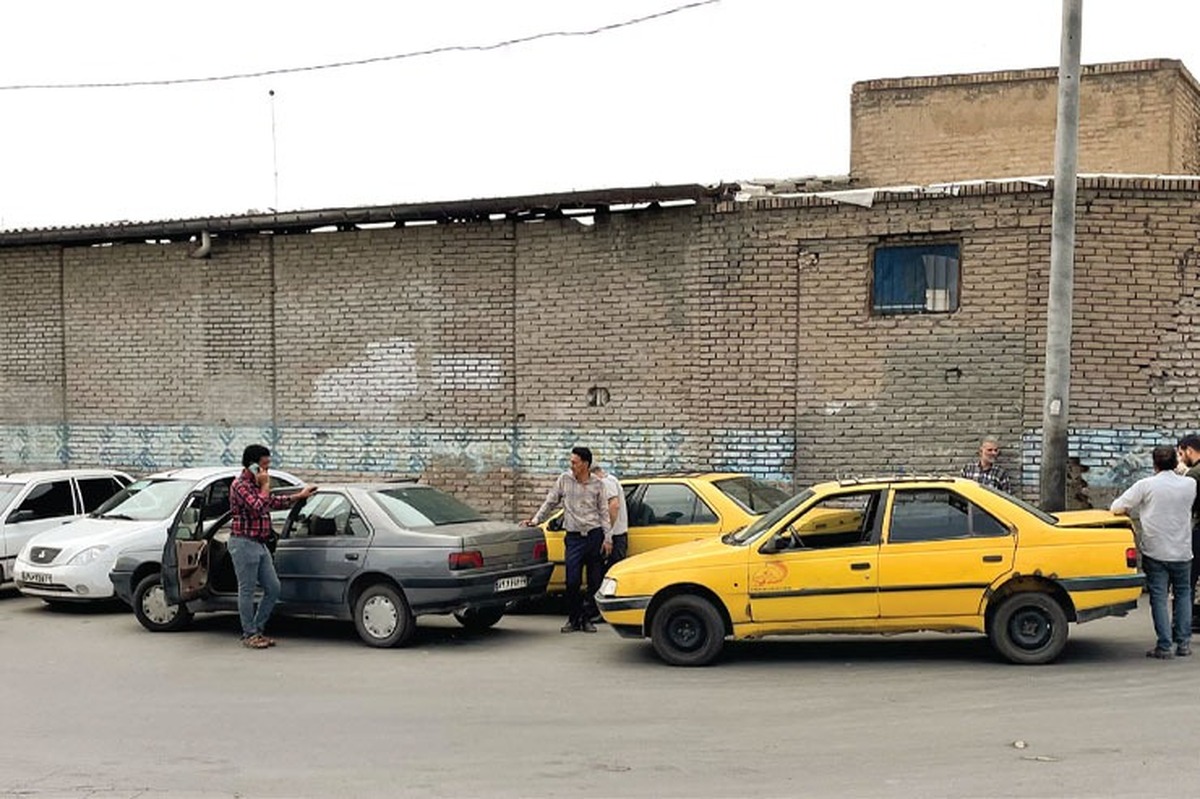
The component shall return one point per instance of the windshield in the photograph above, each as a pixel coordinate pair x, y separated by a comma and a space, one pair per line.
766, 522
7, 492
1036, 511
421, 506
146, 500
753, 495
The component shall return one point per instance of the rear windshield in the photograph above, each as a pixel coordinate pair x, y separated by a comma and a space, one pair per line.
146, 500
753, 495
421, 506
1036, 511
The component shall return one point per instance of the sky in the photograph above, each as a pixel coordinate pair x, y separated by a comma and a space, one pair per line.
729, 90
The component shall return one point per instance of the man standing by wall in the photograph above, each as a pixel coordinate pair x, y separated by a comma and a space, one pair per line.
587, 533
251, 503
985, 470
1164, 506
1189, 453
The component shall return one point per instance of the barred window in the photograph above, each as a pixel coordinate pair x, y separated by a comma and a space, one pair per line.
915, 279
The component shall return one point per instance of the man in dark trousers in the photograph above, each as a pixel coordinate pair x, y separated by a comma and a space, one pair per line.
1189, 453
588, 533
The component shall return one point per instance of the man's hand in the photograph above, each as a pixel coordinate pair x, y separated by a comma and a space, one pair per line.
263, 478
306, 492
606, 548
527, 523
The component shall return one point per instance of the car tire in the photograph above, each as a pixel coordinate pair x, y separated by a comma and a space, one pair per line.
687, 631
382, 617
1029, 628
479, 619
152, 609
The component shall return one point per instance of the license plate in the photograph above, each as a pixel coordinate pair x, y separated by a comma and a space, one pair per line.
511, 583
36, 577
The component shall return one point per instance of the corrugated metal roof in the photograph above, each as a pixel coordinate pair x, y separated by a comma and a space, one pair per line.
524, 207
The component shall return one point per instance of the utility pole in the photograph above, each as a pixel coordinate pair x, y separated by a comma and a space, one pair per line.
1056, 395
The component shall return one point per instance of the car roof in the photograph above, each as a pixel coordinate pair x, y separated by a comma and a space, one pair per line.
203, 472
893, 479
678, 475
51, 474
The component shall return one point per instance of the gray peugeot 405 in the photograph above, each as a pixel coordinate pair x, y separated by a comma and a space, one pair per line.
378, 554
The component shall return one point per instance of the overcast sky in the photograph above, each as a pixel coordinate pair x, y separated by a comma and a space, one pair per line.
730, 90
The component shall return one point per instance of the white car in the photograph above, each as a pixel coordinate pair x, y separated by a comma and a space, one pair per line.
71, 563
32, 502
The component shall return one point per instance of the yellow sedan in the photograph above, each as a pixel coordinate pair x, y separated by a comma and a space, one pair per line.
669, 509
883, 556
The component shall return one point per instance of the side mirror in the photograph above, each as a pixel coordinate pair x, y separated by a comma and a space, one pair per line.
18, 516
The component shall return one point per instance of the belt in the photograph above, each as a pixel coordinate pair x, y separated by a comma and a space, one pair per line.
585, 533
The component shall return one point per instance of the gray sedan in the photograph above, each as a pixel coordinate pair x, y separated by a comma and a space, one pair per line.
379, 555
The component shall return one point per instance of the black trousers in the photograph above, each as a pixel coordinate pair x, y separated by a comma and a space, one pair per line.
620, 551
583, 552
1195, 568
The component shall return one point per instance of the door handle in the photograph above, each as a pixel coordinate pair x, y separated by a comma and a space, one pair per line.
858, 567
993, 558
351, 556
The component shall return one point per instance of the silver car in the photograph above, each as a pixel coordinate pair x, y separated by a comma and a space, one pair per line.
379, 554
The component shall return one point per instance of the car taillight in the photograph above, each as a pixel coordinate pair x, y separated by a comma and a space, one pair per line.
1131, 557
467, 559
539, 551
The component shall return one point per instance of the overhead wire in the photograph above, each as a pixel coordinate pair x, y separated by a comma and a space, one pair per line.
364, 61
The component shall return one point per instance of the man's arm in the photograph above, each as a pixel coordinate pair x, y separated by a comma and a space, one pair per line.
553, 501
252, 498
1127, 501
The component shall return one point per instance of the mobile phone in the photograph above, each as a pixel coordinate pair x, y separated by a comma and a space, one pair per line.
254, 468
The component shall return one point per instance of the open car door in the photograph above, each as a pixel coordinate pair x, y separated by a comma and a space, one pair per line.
185, 564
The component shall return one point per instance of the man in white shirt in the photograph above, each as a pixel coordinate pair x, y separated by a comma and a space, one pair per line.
618, 514
1163, 503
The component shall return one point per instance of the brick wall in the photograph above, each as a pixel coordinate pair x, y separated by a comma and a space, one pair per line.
736, 335
1134, 118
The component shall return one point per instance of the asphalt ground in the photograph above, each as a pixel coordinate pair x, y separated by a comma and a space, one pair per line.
95, 706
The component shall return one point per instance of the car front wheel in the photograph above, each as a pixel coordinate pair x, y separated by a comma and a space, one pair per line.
152, 609
477, 619
382, 617
687, 631
1029, 628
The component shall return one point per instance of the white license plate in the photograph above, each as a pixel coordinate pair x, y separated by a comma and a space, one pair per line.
36, 577
511, 583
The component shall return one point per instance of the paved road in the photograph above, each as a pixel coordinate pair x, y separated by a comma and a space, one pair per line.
93, 706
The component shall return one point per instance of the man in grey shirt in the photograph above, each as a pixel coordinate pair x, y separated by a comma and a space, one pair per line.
588, 533
1164, 505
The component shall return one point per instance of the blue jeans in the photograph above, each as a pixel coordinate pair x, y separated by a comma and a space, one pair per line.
583, 552
1175, 574
253, 566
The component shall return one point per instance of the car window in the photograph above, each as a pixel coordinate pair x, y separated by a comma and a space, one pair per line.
841, 520
147, 500
935, 514
326, 516
96, 490
216, 498
49, 501
753, 495
671, 504
8, 492
421, 506
769, 520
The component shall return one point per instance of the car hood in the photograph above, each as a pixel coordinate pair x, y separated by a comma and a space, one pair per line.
86, 532
691, 553
1091, 518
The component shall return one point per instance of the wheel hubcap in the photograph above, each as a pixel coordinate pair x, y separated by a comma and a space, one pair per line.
380, 617
1030, 628
686, 631
156, 607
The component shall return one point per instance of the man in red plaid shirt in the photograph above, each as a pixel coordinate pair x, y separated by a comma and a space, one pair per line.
251, 503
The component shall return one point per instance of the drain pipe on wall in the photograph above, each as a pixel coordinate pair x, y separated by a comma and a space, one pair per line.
205, 248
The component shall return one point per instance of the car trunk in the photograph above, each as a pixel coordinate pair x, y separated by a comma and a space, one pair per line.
502, 544
1091, 518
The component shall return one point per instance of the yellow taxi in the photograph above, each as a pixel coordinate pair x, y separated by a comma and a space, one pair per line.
668, 509
888, 555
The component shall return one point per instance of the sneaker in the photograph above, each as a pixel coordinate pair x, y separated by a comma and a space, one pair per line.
1183, 650
255, 642
270, 641
588, 627
569, 627
1159, 654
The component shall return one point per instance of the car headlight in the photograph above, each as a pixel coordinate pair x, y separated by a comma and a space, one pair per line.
86, 556
608, 587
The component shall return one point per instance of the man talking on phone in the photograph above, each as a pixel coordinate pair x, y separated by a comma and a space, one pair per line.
251, 503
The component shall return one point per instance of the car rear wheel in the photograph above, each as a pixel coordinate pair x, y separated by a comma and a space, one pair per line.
382, 617
687, 631
152, 609
477, 619
1029, 628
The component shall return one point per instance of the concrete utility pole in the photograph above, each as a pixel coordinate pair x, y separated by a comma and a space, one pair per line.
1056, 395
